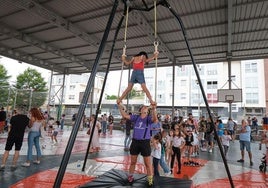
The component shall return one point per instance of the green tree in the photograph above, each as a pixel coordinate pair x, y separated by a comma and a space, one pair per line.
4, 86
132, 94
111, 97
31, 89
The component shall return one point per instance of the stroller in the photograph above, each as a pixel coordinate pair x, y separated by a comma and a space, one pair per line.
263, 165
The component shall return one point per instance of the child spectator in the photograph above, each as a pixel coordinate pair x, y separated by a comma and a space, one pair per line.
164, 146
195, 143
189, 139
156, 153
168, 146
50, 125
111, 123
177, 143
55, 130
225, 139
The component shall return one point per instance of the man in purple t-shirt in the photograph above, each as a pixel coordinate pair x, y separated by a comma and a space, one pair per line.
141, 139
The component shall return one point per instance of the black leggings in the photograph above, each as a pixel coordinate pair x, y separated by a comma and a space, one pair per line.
176, 152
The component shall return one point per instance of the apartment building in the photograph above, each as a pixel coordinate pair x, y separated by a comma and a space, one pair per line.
246, 75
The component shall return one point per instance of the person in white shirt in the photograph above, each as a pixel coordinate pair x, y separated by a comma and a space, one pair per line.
55, 130
225, 139
156, 153
177, 142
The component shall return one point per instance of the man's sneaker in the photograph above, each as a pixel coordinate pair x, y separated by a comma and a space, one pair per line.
150, 180
240, 160
130, 179
36, 162
168, 173
26, 164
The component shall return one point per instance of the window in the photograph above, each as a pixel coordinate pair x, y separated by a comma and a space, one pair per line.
249, 110
183, 71
59, 81
234, 108
212, 98
183, 96
170, 96
169, 73
72, 87
183, 82
212, 70
195, 98
258, 111
251, 67
212, 85
251, 82
71, 97
161, 83
252, 98
170, 83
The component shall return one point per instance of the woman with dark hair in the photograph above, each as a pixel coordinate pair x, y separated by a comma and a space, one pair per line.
137, 76
141, 139
37, 120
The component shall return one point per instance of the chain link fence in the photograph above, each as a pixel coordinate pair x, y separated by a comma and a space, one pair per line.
24, 99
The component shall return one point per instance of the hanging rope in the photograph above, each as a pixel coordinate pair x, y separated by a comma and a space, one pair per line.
124, 48
156, 43
125, 34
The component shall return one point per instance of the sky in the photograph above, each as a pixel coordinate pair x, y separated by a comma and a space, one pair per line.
15, 68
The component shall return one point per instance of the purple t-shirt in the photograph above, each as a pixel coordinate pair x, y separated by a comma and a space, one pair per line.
140, 125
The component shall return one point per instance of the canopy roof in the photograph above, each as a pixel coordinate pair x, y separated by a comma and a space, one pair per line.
64, 35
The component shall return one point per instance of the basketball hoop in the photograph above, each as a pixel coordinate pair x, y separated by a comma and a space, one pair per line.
229, 98
229, 101
230, 95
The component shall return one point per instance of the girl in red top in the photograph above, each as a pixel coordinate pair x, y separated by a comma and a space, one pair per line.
137, 76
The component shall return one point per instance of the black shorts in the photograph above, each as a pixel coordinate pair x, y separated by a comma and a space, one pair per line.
14, 140
142, 147
55, 133
188, 143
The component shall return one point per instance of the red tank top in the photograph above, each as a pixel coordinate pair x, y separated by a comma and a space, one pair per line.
138, 66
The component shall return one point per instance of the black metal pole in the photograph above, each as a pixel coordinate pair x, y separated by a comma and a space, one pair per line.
83, 104
103, 87
166, 4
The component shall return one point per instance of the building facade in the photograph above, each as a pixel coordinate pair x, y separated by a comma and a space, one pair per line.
246, 75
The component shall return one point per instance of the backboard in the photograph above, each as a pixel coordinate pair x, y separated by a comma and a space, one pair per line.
230, 95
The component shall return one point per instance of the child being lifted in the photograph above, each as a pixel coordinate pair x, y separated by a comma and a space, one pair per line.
137, 75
